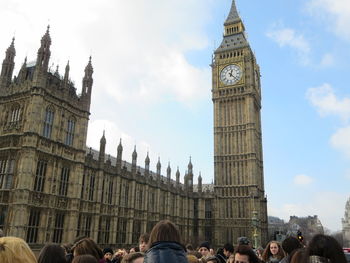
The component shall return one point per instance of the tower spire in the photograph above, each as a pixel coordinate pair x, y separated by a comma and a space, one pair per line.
233, 16
8, 65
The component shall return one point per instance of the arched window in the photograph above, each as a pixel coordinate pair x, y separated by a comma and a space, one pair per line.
15, 114
48, 122
70, 132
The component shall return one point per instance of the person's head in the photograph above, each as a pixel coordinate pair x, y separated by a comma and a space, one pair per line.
297, 255
327, 247
273, 249
87, 246
243, 241
15, 250
136, 257
212, 259
192, 258
204, 249
228, 249
164, 231
231, 259
245, 254
290, 244
189, 248
143, 241
107, 253
52, 254
85, 259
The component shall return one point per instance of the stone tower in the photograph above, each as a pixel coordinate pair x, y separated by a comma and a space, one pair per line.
43, 146
238, 159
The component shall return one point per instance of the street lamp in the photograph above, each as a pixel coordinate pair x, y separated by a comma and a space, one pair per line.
255, 222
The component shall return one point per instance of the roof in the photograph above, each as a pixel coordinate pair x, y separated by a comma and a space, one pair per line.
233, 42
233, 16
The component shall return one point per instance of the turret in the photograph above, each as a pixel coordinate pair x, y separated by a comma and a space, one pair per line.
87, 81
199, 183
168, 173
66, 76
8, 65
134, 160
158, 166
190, 167
43, 59
147, 162
101, 157
22, 72
177, 176
190, 176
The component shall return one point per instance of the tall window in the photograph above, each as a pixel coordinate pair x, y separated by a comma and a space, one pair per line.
91, 187
124, 194
121, 231
58, 230
48, 122
104, 229
3, 213
15, 114
64, 181
84, 225
6, 173
33, 226
40, 176
207, 208
110, 192
136, 231
70, 132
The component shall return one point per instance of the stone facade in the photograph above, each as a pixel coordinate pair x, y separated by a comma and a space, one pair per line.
54, 189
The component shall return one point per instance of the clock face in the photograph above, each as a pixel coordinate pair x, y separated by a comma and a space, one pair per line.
231, 74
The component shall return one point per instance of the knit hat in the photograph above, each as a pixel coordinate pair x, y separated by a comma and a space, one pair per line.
205, 244
107, 250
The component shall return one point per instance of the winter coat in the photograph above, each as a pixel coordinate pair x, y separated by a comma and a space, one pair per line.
166, 252
273, 260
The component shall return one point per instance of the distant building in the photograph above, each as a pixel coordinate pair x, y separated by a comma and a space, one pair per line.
53, 188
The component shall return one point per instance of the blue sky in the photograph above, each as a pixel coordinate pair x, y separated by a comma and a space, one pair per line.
152, 84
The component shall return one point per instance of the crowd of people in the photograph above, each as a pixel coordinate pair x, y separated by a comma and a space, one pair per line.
164, 245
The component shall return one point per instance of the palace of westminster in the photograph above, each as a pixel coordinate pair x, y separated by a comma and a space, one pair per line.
53, 188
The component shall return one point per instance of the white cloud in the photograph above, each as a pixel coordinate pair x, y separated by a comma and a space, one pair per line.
303, 179
324, 99
335, 12
340, 140
328, 206
327, 60
287, 37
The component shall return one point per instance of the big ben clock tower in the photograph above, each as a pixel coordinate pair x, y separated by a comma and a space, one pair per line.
238, 160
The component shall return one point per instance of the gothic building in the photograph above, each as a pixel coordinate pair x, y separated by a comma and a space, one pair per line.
54, 188
346, 225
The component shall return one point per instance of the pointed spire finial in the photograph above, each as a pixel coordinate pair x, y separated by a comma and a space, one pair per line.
233, 16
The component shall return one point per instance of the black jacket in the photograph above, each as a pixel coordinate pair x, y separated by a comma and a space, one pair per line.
166, 252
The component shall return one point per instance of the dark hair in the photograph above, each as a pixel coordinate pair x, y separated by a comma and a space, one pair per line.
189, 247
87, 246
52, 254
267, 252
327, 247
290, 244
85, 259
164, 230
213, 258
229, 247
131, 257
248, 251
67, 247
297, 255
144, 238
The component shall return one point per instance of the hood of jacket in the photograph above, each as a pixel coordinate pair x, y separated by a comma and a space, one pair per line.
166, 252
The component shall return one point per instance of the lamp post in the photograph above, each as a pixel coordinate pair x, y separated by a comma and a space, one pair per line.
255, 222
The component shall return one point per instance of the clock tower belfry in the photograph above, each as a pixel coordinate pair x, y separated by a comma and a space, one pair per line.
238, 158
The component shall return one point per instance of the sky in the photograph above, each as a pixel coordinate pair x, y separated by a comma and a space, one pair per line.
152, 84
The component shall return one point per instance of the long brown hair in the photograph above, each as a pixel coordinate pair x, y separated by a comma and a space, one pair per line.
267, 252
164, 230
87, 246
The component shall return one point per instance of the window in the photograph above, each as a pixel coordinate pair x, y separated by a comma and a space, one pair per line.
15, 114
136, 231
91, 187
58, 230
207, 209
70, 132
33, 226
84, 225
110, 193
121, 231
6, 173
64, 181
104, 229
3, 213
48, 122
40, 176
124, 194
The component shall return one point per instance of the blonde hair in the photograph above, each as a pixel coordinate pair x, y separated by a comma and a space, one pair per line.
15, 250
